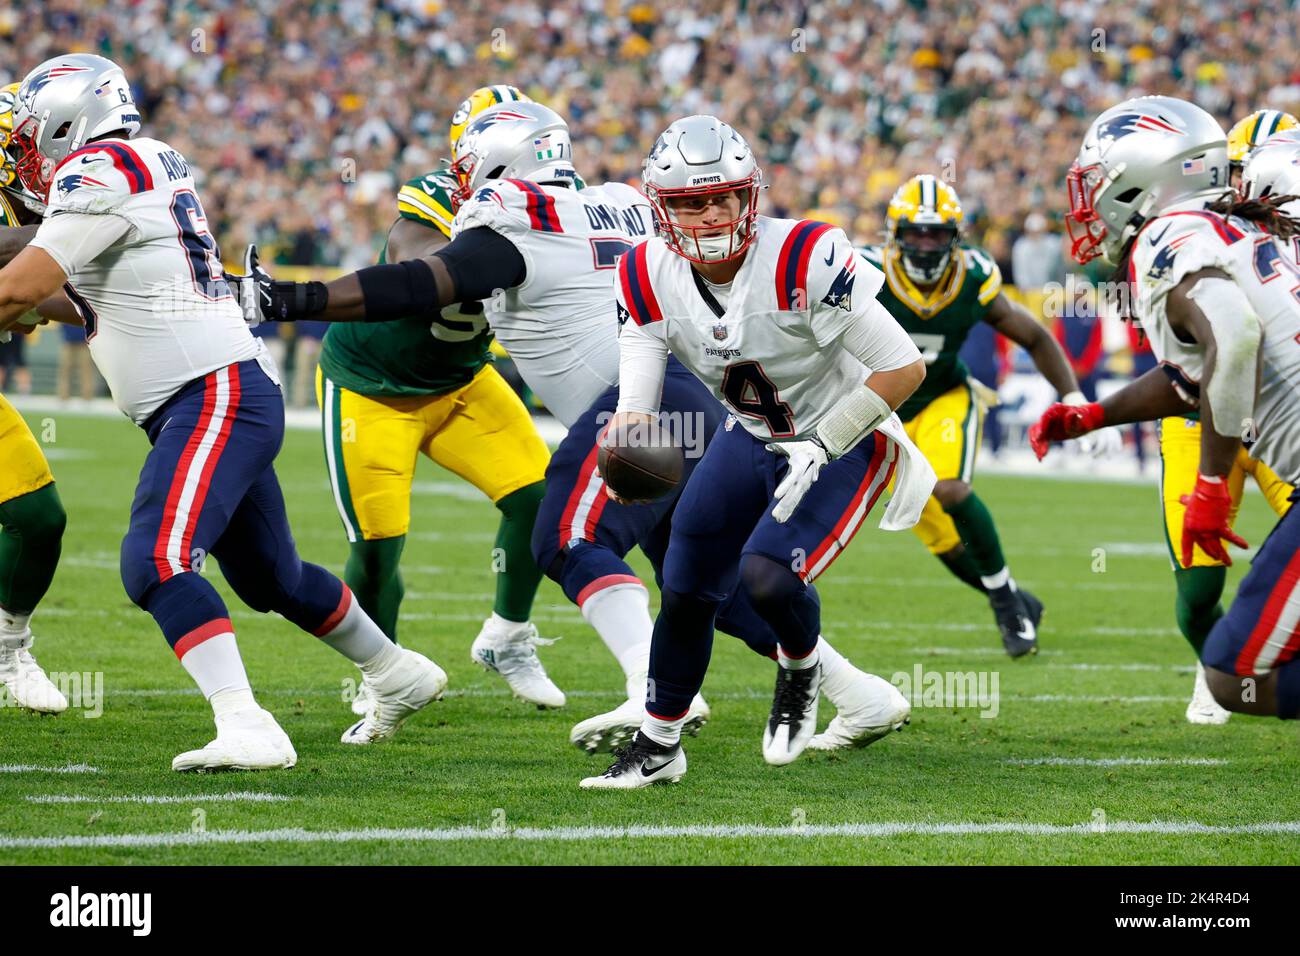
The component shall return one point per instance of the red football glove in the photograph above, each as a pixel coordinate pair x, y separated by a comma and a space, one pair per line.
1206, 521
1061, 422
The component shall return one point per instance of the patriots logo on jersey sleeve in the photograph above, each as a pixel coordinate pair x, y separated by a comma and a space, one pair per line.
623, 314
67, 184
840, 295
1163, 261
486, 193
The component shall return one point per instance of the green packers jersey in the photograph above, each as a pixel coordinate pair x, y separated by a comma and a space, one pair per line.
412, 356
939, 321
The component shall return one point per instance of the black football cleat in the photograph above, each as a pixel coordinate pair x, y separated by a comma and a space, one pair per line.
793, 720
1016, 620
642, 763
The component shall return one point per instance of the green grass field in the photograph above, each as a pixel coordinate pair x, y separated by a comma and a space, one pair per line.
480, 778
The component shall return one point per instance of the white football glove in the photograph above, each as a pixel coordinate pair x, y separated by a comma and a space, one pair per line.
807, 459
247, 286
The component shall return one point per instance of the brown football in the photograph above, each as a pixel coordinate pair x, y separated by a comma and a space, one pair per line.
640, 462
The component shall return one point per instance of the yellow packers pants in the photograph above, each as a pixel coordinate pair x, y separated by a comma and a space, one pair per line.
948, 433
23, 467
481, 432
1180, 458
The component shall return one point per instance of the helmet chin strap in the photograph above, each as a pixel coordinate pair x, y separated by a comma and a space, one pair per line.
919, 276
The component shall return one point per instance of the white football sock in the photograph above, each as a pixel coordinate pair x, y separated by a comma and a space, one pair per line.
1000, 580
838, 675
232, 701
356, 637
13, 622
216, 666
666, 732
621, 616
797, 663
507, 628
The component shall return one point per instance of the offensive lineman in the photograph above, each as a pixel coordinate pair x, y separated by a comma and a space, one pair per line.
1212, 286
544, 254
126, 237
811, 369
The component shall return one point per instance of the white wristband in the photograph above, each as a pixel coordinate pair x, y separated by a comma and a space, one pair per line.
851, 419
1074, 398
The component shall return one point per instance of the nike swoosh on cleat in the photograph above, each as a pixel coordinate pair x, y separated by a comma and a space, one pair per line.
647, 771
830, 260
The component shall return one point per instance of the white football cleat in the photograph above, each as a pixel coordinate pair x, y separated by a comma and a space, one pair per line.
363, 701
1203, 708
642, 763
871, 710
608, 731
28, 686
512, 653
793, 720
398, 690
246, 740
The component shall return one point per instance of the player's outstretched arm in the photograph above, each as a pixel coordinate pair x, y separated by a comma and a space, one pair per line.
474, 266
26, 282
1014, 321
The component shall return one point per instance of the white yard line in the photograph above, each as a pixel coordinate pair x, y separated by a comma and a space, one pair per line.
296, 835
1119, 761
32, 768
232, 797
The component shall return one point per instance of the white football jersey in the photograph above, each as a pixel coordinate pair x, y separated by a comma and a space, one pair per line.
559, 326
1174, 245
772, 356
157, 310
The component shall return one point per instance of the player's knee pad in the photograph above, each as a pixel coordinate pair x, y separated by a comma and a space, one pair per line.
138, 568
37, 516
769, 583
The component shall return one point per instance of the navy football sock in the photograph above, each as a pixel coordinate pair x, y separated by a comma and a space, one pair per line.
784, 601
679, 653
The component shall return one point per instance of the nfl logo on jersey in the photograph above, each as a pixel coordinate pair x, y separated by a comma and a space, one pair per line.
720, 332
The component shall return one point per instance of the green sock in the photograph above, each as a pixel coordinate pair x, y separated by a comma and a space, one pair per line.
373, 574
31, 537
962, 565
1197, 605
979, 534
517, 572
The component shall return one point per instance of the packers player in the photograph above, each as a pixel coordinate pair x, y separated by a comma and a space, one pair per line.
1250, 132
938, 288
390, 391
31, 515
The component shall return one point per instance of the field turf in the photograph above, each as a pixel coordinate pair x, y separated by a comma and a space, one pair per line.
1088, 759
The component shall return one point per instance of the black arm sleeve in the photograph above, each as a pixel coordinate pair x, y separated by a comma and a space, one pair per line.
480, 261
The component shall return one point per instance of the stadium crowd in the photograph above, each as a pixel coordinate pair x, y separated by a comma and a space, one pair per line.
302, 118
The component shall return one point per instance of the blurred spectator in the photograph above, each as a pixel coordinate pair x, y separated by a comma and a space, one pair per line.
14, 374
75, 361
1036, 255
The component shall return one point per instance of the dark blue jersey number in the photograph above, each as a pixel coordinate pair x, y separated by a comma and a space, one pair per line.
751, 393
200, 248
607, 252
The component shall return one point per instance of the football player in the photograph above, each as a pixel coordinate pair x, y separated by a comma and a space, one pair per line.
32, 518
1199, 581
1147, 194
389, 391
544, 254
126, 237
1250, 132
938, 288
811, 370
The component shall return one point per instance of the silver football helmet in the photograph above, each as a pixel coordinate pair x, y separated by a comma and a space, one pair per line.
1138, 159
697, 157
1273, 168
63, 104
512, 141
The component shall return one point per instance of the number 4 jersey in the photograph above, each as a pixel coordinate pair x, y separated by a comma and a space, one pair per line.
1173, 246
126, 225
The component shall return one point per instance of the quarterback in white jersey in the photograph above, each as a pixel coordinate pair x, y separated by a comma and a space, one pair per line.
542, 254
779, 318
126, 238
1213, 282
